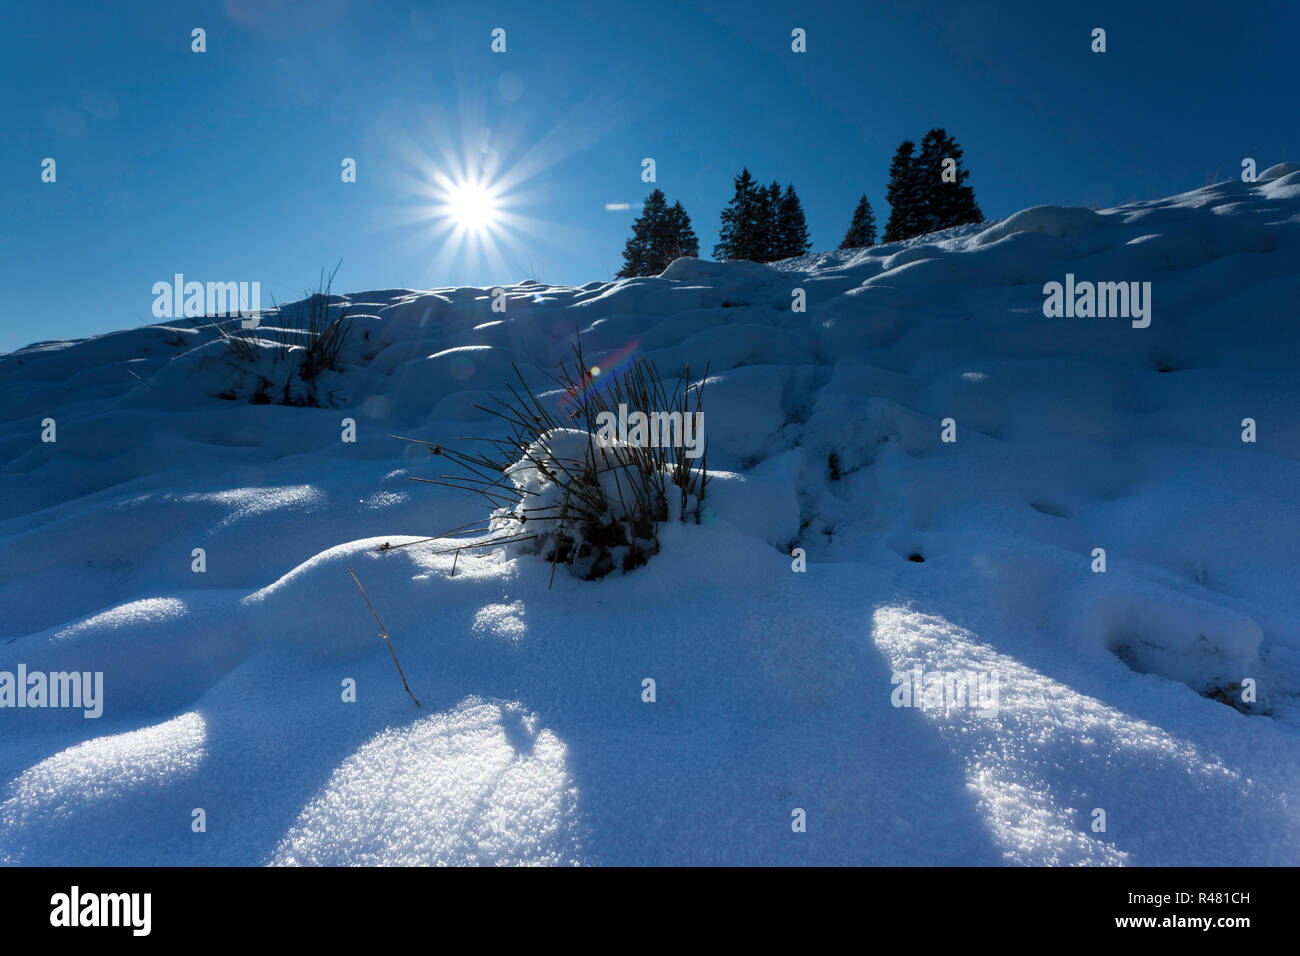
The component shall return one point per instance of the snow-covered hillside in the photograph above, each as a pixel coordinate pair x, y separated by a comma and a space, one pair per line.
1119, 691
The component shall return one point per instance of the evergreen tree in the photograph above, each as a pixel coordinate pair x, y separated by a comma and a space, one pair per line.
862, 230
791, 227
740, 233
636, 254
929, 170
659, 236
674, 239
944, 204
904, 194
767, 236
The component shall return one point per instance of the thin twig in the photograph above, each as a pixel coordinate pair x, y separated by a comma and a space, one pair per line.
129, 372
383, 633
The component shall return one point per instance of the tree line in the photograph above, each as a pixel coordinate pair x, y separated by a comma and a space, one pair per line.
927, 191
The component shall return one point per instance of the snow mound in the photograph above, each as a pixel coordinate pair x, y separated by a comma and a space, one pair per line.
1278, 171
482, 784
1061, 222
920, 473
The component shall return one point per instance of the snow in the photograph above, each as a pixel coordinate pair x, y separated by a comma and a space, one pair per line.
224, 689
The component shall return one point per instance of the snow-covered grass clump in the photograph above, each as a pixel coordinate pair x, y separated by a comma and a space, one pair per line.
293, 354
288, 364
592, 499
584, 508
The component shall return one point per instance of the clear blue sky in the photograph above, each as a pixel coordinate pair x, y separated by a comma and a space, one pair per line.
225, 165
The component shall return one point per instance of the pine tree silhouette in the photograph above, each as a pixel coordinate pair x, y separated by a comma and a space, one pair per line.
673, 240
761, 223
791, 227
660, 235
929, 169
862, 229
906, 215
944, 203
767, 238
636, 254
740, 235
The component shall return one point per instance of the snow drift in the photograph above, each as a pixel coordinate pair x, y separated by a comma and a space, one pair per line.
685, 711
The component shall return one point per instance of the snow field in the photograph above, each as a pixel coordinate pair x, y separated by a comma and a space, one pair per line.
773, 688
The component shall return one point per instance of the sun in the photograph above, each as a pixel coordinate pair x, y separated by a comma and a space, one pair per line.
472, 206
464, 188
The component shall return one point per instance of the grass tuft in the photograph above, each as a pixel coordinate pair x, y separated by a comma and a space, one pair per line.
557, 492
311, 335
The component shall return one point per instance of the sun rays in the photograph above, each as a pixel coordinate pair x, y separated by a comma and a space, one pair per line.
467, 187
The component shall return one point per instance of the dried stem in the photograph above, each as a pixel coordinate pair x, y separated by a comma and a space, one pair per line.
384, 634
615, 496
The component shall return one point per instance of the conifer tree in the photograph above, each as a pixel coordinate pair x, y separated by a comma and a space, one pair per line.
862, 229
791, 227
929, 169
673, 240
904, 195
740, 232
636, 254
944, 203
767, 238
660, 235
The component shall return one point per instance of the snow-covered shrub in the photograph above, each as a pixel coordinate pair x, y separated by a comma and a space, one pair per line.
281, 360
567, 491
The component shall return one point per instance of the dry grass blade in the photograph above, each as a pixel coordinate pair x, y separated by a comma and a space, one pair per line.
610, 497
383, 633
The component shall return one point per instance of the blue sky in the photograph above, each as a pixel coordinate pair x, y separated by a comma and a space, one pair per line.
225, 165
